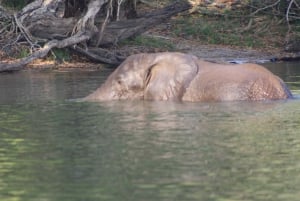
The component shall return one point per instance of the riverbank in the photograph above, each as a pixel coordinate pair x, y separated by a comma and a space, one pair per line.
220, 53
213, 53
160, 40
217, 37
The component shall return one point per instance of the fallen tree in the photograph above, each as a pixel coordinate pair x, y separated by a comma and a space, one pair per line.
90, 29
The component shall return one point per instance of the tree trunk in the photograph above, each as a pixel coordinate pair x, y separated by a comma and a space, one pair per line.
43, 22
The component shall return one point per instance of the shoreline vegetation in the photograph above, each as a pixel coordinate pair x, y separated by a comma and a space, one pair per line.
219, 31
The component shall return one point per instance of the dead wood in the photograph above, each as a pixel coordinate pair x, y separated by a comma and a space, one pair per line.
42, 22
100, 55
123, 29
41, 53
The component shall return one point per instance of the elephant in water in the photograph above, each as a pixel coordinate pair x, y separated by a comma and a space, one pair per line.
184, 77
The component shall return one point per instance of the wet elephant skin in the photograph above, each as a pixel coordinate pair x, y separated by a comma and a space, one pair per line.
184, 77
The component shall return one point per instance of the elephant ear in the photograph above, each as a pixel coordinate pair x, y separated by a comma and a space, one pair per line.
167, 80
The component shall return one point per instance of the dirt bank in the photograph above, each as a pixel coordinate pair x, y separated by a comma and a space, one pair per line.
221, 54
213, 53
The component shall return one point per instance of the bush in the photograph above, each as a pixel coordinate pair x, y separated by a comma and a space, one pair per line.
17, 4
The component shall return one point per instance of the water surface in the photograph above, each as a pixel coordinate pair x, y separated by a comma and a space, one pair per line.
53, 148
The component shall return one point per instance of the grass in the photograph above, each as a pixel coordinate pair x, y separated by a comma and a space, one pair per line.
224, 30
15, 4
228, 29
61, 54
23, 52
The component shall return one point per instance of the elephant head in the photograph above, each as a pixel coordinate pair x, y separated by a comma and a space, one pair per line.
183, 77
160, 76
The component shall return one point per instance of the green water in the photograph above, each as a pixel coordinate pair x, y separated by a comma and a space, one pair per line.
56, 149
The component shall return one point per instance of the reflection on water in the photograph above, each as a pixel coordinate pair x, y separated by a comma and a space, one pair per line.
33, 86
54, 149
289, 72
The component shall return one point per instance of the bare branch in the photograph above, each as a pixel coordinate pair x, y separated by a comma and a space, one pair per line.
21, 63
108, 13
31, 26
118, 9
24, 31
87, 22
287, 16
100, 55
264, 8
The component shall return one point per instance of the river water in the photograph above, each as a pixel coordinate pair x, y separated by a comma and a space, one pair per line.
56, 149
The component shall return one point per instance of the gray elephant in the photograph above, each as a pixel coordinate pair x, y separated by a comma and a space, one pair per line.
184, 77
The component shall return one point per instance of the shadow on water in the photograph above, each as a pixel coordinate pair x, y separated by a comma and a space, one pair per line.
53, 149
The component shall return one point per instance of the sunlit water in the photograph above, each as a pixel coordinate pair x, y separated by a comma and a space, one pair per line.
56, 149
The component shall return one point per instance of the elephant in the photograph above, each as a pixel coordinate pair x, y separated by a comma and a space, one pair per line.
183, 77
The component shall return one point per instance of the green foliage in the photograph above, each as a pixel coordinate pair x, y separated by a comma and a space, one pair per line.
150, 42
61, 54
227, 30
17, 4
23, 52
